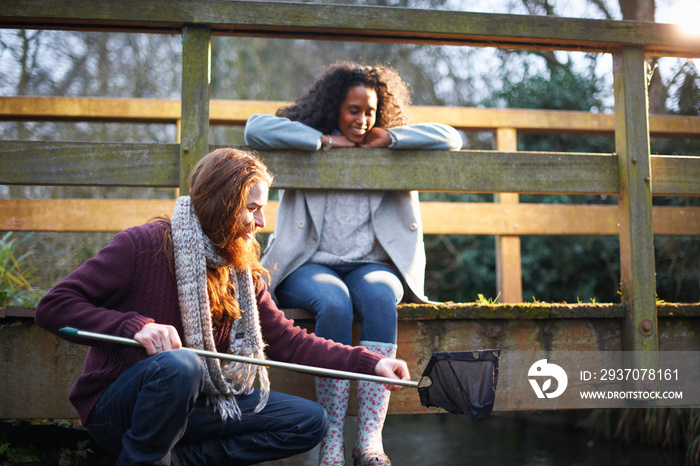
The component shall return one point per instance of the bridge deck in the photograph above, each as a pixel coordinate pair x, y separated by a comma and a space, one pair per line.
38, 368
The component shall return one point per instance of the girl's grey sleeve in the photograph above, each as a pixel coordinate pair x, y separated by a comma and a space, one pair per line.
426, 136
273, 132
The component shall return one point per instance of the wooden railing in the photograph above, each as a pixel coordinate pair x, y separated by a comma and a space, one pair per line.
631, 173
507, 219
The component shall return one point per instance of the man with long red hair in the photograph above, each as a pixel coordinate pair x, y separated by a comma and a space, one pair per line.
195, 280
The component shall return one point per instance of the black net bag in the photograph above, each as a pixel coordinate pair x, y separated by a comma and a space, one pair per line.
462, 382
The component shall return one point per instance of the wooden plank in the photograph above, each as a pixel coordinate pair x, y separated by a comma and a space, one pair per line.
196, 72
533, 121
680, 221
509, 281
353, 23
675, 176
547, 219
456, 171
127, 164
439, 218
637, 268
17, 311
100, 109
79, 214
101, 164
237, 112
231, 112
479, 311
89, 164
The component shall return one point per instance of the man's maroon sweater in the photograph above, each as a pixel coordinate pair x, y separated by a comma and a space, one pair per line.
128, 284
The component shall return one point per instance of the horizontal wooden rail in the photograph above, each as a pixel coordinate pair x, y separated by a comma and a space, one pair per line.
454, 218
352, 23
237, 112
157, 165
448, 311
439, 218
89, 164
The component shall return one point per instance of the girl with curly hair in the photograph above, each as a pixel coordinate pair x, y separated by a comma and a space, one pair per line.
342, 253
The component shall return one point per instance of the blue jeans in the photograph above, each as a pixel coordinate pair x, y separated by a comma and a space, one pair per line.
372, 290
154, 414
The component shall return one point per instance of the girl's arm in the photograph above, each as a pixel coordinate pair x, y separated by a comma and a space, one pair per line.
267, 132
426, 136
273, 132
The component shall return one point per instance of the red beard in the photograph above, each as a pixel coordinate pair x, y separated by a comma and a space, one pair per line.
244, 253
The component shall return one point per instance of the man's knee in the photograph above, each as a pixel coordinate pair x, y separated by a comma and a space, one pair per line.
319, 424
184, 367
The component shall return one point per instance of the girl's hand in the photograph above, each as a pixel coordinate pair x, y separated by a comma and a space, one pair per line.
338, 141
376, 137
157, 338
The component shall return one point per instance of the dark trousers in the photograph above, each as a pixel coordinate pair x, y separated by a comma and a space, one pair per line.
153, 414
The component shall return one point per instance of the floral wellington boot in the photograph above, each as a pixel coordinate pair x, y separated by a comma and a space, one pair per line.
333, 395
372, 404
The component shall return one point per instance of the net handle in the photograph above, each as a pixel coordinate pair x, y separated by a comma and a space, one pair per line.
73, 332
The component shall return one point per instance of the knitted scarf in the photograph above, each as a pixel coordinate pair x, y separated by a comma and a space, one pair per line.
193, 251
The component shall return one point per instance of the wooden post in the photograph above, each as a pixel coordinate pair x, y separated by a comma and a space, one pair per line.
509, 284
196, 77
637, 282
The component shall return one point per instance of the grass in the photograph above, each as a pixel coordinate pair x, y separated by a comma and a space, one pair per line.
16, 279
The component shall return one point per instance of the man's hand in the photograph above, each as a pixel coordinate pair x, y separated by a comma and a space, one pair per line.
393, 369
157, 338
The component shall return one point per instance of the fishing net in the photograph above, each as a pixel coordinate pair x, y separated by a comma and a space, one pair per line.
462, 382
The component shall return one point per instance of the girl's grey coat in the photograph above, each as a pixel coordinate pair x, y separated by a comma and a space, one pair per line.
395, 214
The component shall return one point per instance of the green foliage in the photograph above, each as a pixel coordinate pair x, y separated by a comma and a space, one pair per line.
71, 457
692, 453
688, 94
49, 442
562, 89
18, 454
484, 301
31, 444
561, 268
554, 268
660, 427
459, 267
677, 268
16, 281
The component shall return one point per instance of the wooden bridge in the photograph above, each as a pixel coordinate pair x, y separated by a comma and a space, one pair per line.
38, 368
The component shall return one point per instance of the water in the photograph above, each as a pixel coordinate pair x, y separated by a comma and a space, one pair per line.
527, 439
